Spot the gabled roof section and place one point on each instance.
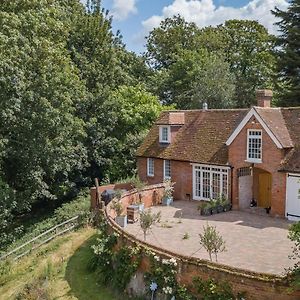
(271, 119)
(200, 140)
(291, 117)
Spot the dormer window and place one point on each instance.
(165, 134)
(254, 146)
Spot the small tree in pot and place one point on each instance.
(167, 197)
(139, 186)
(117, 206)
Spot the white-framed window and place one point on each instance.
(150, 166)
(254, 145)
(164, 134)
(167, 169)
(210, 182)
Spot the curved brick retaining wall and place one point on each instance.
(256, 285)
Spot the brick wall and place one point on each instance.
(257, 286)
(181, 174)
(271, 159)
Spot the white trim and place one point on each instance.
(166, 177)
(250, 114)
(160, 134)
(254, 160)
(148, 166)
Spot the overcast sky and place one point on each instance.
(135, 18)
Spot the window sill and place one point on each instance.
(254, 161)
(150, 175)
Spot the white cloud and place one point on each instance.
(204, 13)
(121, 9)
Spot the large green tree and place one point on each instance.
(289, 53)
(39, 92)
(245, 45)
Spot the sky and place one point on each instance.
(136, 18)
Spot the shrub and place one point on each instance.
(147, 219)
(212, 241)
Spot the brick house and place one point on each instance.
(244, 154)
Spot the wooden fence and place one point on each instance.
(41, 239)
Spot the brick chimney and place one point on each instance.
(264, 98)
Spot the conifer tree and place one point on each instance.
(289, 52)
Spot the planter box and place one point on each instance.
(205, 212)
(121, 220)
(141, 207)
(167, 201)
(220, 208)
(214, 210)
(227, 207)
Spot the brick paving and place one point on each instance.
(254, 242)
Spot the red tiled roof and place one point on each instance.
(276, 123)
(202, 138)
(292, 121)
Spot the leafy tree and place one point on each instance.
(212, 241)
(133, 110)
(164, 42)
(39, 91)
(147, 219)
(197, 77)
(249, 49)
(289, 53)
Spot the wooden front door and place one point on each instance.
(265, 185)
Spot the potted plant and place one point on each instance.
(226, 204)
(167, 197)
(139, 186)
(120, 219)
(219, 205)
(204, 208)
(214, 205)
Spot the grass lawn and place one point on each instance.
(58, 270)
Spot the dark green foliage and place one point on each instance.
(294, 272)
(212, 290)
(79, 206)
(223, 64)
(115, 265)
(289, 53)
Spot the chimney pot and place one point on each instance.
(264, 98)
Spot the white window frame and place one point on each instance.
(161, 140)
(167, 176)
(150, 167)
(254, 160)
(211, 169)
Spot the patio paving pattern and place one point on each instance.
(253, 242)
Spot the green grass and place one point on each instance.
(59, 270)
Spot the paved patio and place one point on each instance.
(254, 242)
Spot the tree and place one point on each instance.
(249, 50)
(289, 53)
(165, 41)
(147, 219)
(39, 92)
(212, 241)
(197, 77)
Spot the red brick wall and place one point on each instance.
(257, 286)
(181, 174)
(271, 159)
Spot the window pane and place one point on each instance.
(206, 185)
(216, 185)
(167, 168)
(150, 167)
